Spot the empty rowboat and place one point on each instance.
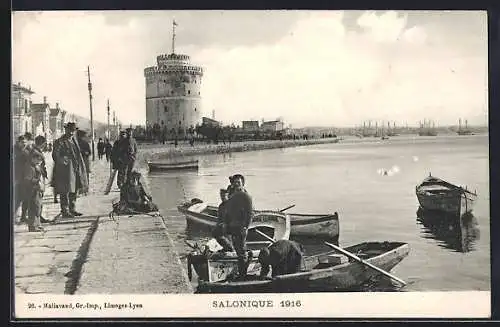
(170, 166)
(435, 194)
(322, 226)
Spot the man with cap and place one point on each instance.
(220, 232)
(81, 137)
(21, 151)
(240, 214)
(70, 171)
(35, 174)
(126, 155)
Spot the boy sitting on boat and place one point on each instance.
(283, 256)
(220, 231)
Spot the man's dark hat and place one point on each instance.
(236, 176)
(71, 126)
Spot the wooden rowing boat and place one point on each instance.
(436, 194)
(215, 266)
(169, 166)
(319, 226)
(324, 272)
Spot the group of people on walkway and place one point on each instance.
(235, 214)
(104, 149)
(70, 174)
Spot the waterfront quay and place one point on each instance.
(95, 253)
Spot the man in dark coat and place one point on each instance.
(35, 174)
(240, 213)
(127, 152)
(284, 257)
(220, 231)
(21, 151)
(116, 161)
(107, 149)
(84, 149)
(100, 149)
(69, 167)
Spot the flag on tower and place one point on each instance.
(175, 24)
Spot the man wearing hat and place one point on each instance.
(81, 137)
(240, 212)
(126, 153)
(70, 171)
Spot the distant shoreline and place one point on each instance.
(151, 152)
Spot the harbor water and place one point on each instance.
(371, 184)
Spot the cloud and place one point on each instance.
(313, 72)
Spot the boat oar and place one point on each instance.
(355, 257)
(289, 207)
(266, 236)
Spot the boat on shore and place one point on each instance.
(213, 265)
(435, 194)
(322, 226)
(324, 272)
(170, 166)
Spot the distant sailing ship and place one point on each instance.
(427, 128)
(463, 131)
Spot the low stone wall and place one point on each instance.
(156, 151)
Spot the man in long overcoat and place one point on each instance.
(70, 171)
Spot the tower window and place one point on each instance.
(189, 91)
(172, 92)
(198, 92)
(179, 122)
(166, 109)
(194, 109)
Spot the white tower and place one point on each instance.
(173, 91)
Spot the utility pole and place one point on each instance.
(109, 131)
(91, 114)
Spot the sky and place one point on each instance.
(311, 68)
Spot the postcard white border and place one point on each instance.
(475, 304)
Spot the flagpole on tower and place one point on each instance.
(174, 24)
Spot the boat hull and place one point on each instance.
(453, 202)
(159, 166)
(435, 194)
(317, 226)
(344, 276)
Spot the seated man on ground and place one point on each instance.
(284, 257)
(134, 198)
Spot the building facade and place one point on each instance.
(21, 109)
(40, 113)
(56, 121)
(173, 93)
(250, 125)
(272, 126)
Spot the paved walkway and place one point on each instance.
(93, 254)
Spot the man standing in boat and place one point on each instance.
(240, 213)
(220, 232)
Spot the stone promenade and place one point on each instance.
(95, 253)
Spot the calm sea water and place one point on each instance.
(346, 177)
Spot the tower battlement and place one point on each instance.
(194, 70)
